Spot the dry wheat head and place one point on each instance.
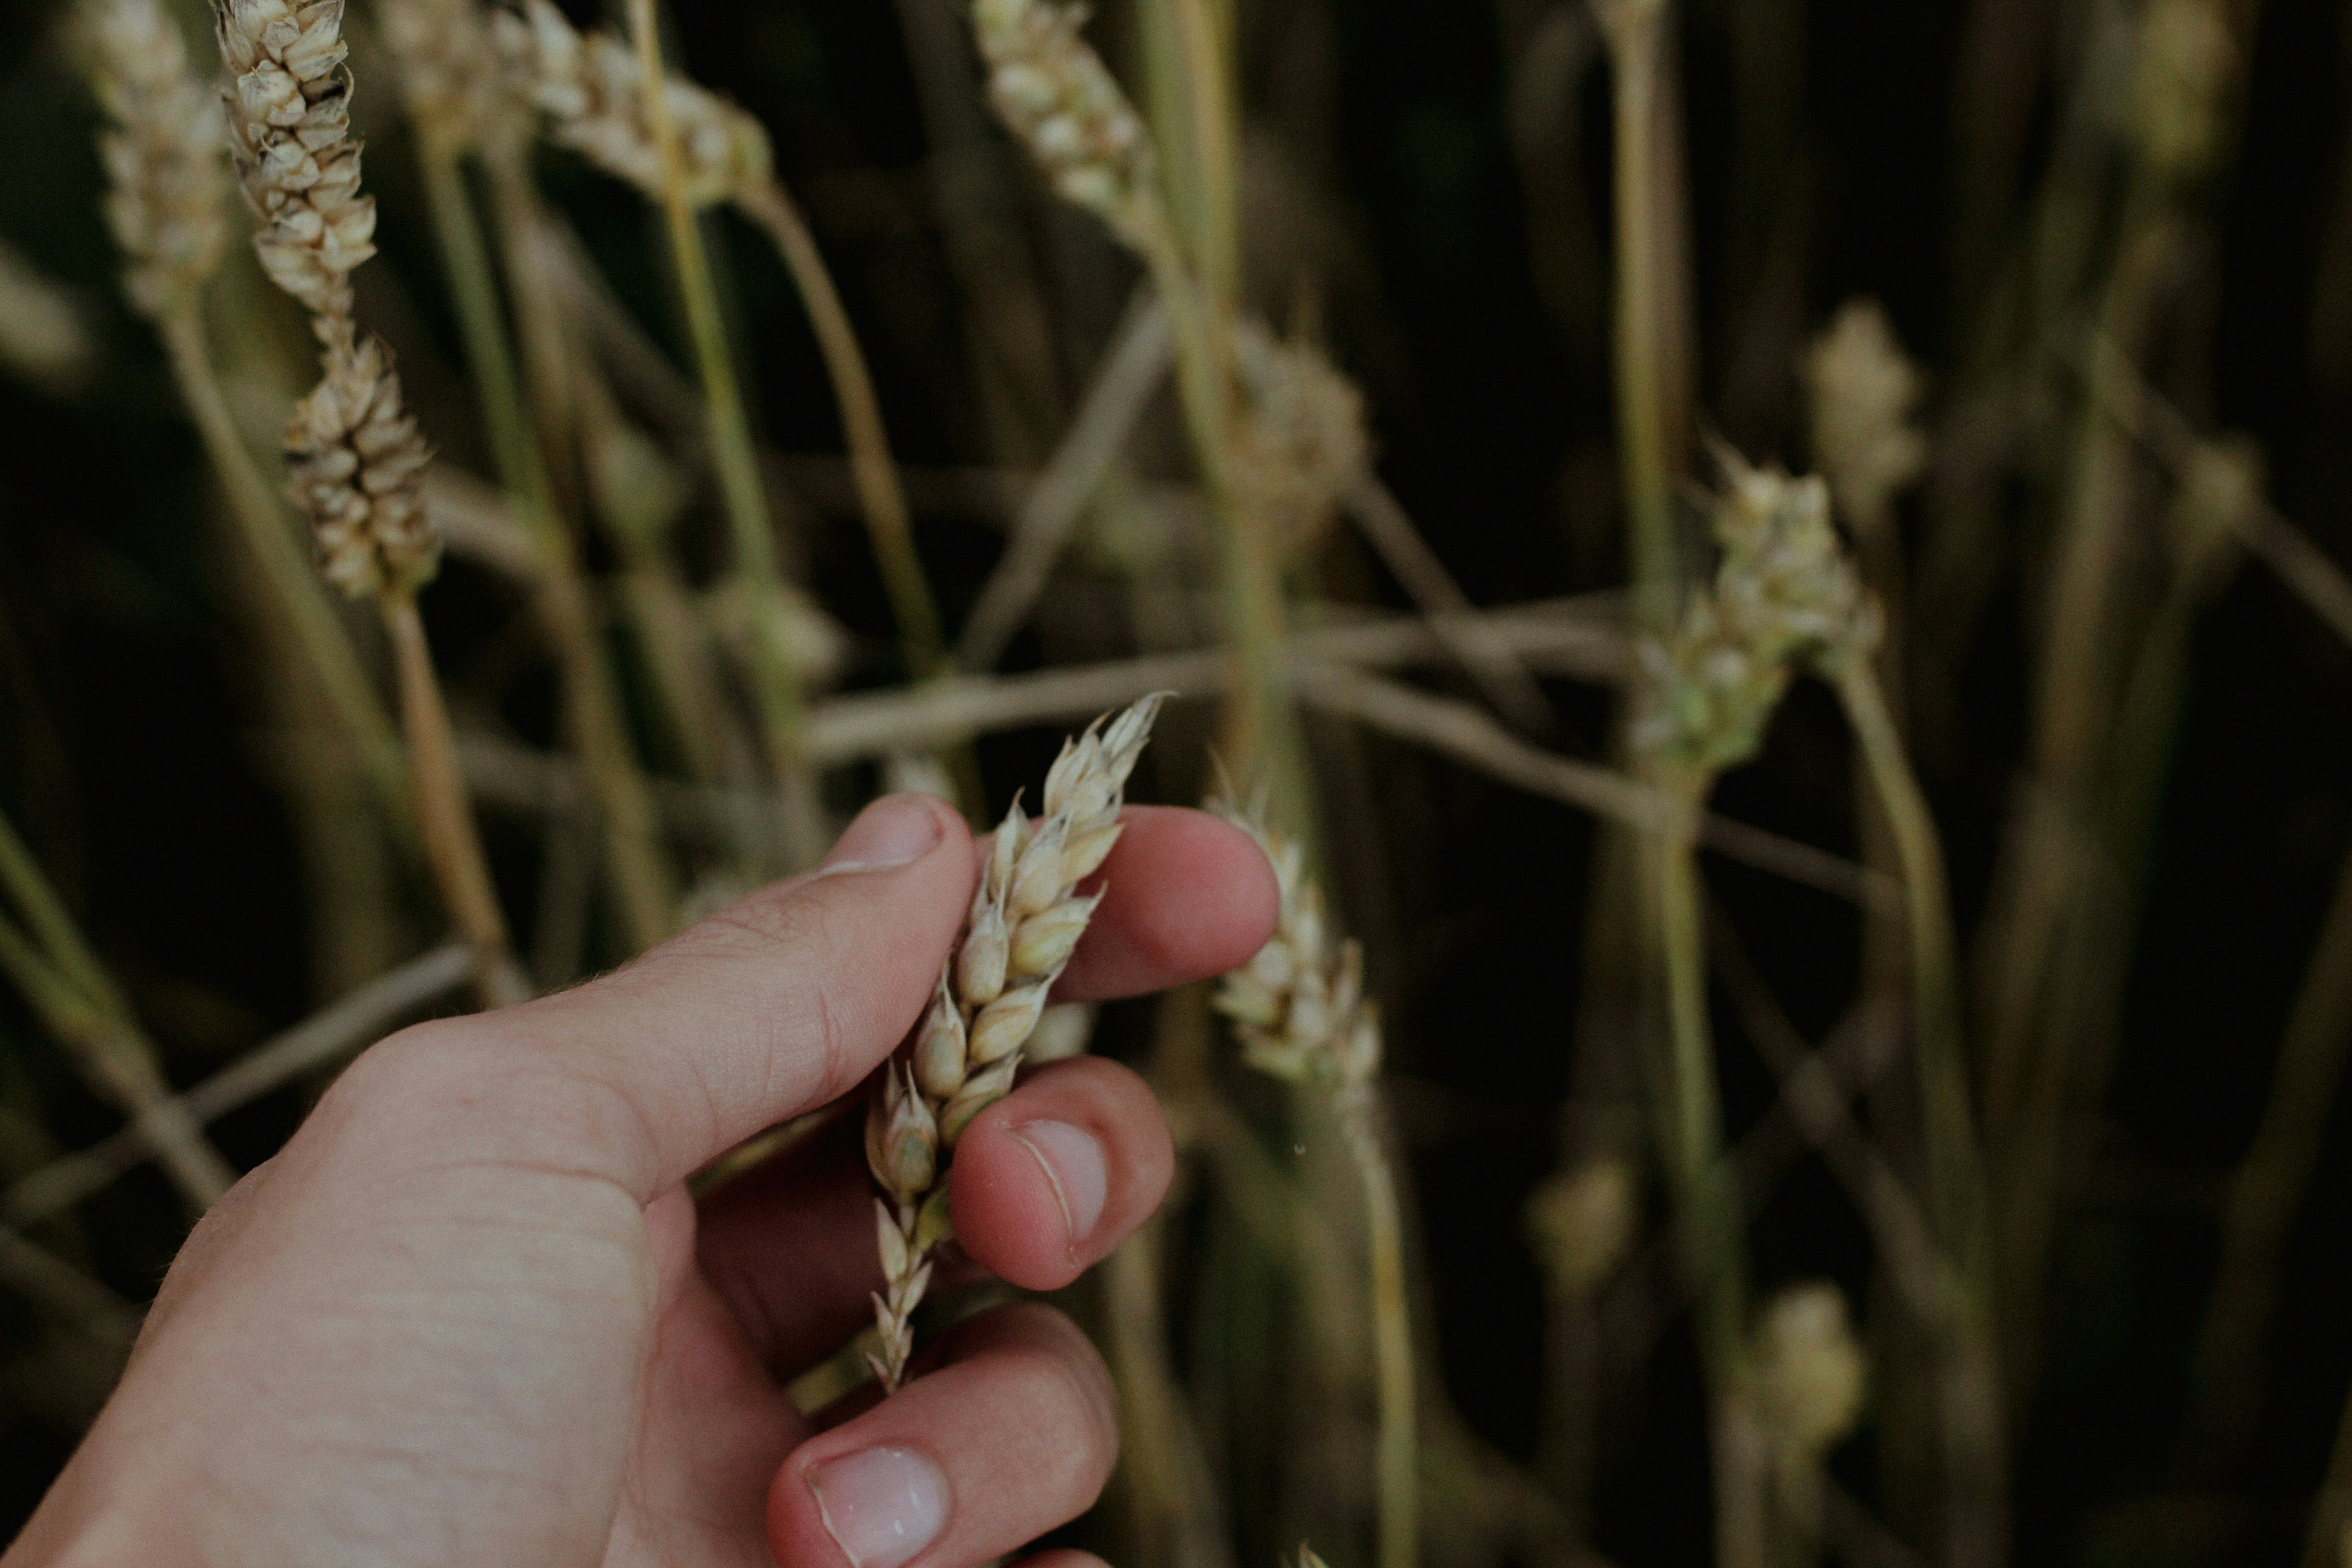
(591, 90)
(449, 69)
(1784, 597)
(1299, 1006)
(1865, 392)
(165, 168)
(353, 458)
(1025, 921)
(1054, 93)
(289, 128)
(1299, 442)
(1811, 1374)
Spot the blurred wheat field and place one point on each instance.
(1768, 571)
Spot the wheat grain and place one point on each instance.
(165, 173)
(1025, 921)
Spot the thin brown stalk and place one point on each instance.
(1130, 371)
(336, 1031)
(60, 978)
(452, 847)
(1501, 677)
(880, 496)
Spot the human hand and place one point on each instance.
(470, 1313)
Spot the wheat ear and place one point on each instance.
(166, 179)
(1300, 1012)
(1025, 921)
(353, 451)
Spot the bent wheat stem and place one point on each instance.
(63, 982)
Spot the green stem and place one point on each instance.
(326, 645)
(1715, 1247)
(735, 456)
(79, 1002)
(1976, 1512)
(1400, 1460)
(871, 468)
(1635, 32)
(645, 892)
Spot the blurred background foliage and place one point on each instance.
(1426, 192)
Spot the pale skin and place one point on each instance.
(471, 1315)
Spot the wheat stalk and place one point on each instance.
(1299, 1010)
(1026, 918)
(1055, 94)
(597, 100)
(353, 454)
(450, 77)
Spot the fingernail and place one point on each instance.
(881, 1507)
(894, 830)
(1073, 1161)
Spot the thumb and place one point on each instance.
(774, 1006)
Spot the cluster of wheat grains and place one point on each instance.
(1025, 921)
(353, 453)
(1299, 1009)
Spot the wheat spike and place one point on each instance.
(449, 69)
(1299, 1006)
(1784, 597)
(1054, 93)
(1865, 392)
(165, 173)
(593, 92)
(1025, 921)
(353, 452)
(1300, 441)
(353, 456)
(289, 128)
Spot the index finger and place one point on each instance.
(1185, 896)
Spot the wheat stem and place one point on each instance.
(325, 643)
(452, 847)
(1636, 30)
(871, 467)
(63, 981)
(1977, 1511)
(643, 886)
(777, 680)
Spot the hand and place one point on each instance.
(470, 1314)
